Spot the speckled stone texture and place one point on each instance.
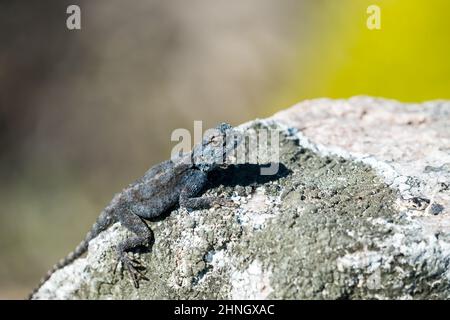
(359, 209)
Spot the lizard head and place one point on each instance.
(216, 146)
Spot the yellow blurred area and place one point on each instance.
(407, 59)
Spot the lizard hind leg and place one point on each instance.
(142, 238)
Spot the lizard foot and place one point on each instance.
(134, 267)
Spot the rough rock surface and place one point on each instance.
(360, 208)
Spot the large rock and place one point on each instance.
(360, 208)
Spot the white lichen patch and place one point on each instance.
(217, 259)
(258, 210)
(252, 283)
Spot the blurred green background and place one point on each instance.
(83, 113)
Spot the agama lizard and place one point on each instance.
(165, 185)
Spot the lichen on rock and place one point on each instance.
(337, 221)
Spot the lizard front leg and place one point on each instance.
(142, 237)
(196, 183)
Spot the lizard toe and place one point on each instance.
(135, 270)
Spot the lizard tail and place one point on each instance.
(103, 221)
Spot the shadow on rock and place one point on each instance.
(245, 175)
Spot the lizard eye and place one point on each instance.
(215, 141)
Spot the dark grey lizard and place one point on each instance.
(161, 188)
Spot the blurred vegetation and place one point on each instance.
(407, 59)
(83, 113)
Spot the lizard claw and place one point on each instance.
(134, 268)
